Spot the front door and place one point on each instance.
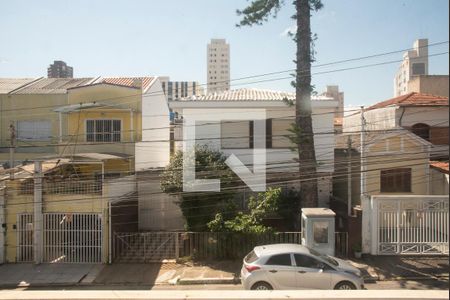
(310, 273)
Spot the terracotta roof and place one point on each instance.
(247, 94)
(413, 99)
(441, 166)
(128, 81)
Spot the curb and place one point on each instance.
(225, 280)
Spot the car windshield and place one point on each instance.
(326, 258)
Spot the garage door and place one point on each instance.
(72, 238)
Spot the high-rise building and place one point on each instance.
(218, 61)
(180, 89)
(59, 69)
(415, 63)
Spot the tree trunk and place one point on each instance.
(306, 151)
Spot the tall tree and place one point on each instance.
(258, 12)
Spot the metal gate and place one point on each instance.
(72, 238)
(412, 226)
(144, 247)
(25, 239)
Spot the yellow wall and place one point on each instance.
(397, 152)
(17, 203)
(119, 100)
(16, 107)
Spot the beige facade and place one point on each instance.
(218, 62)
(429, 84)
(415, 63)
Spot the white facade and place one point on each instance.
(415, 63)
(218, 62)
(154, 149)
(233, 137)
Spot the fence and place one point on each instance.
(156, 246)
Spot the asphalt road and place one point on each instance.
(379, 285)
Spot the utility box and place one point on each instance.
(318, 229)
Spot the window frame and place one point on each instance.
(34, 138)
(386, 186)
(95, 131)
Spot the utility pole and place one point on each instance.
(12, 138)
(349, 175)
(38, 219)
(362, 152)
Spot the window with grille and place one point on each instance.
(103, 131)
(395, 180)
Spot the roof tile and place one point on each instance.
(413, 99)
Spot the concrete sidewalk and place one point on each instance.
(223, 272)
(23, 275)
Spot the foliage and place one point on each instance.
(259, 11)
(199, 208)
(357, 247)
(260, 207)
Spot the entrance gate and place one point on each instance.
(412, 225)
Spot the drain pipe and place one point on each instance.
(109, 233)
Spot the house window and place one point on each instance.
(418, 69)
(103, 130)
(35, 130)
(235, 134)
(422, 130)
(395, 180)
(281, 133)
(268, 134)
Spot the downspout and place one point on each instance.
(109, 233)
(131, 125)
(60, 127)
(401, 117)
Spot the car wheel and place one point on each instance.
(345, 285)
(262, 286)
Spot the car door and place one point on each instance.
(281, 272)
(311, 273)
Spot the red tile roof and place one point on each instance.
(128, 81)
(441, 166)
(413, 99)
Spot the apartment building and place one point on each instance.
(59, 69)
(180, 89)
(218, 62)
(415, 63)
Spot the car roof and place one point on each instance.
(280, 248)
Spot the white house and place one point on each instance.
(226, 121)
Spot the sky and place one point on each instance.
(169, 38)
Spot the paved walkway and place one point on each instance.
(216, 272)
(47, 274)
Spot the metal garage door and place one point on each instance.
(72, 238)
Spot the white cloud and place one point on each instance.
(3, 60)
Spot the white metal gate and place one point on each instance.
(412, 226)
(25, 238)
(72, 238)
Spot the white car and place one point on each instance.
(293, 266)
